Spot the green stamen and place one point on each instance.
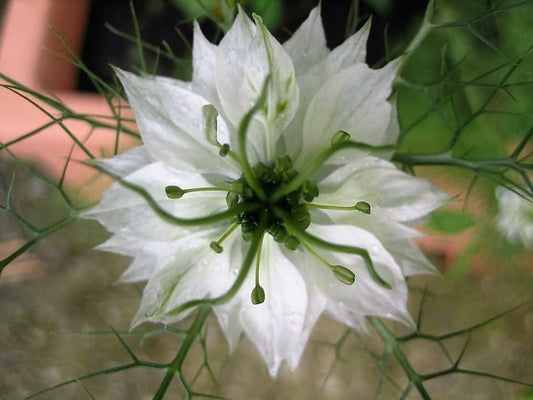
(339, 137)
(209, 115)
(316, 241)
(361, 206)
(216, 246)
(175, 192)
(343, 274)
(258, 293)
(224, 150)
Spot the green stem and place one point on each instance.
(36, 239)
(393, 346)
(175, 366)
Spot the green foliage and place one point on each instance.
(450, 222)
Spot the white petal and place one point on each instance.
(171, 125)
(396, 237)
(391, 193)
(275, 326)
(308, 44)
(364, 297)
(351, 51)
(228, 316)
(315, 306)
(245, 56)
(147, 255)
(203, 64)
(125, 212)
(194, 273)
(410, 258)
(355, 101)
(165, 80)
(127, 162)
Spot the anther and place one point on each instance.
(224, 150)
(309, 190)
(291, 242)
(216, 247)
(363, 207)
(258, 295)
(210, 114)
(343, 274)
(174, 192)
(232, 199)
(339, 137)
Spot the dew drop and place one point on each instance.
(375, 249)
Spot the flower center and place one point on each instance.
(270, 178)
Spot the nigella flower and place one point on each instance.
(263, 184)
(515, 217)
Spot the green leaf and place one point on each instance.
(448, 221)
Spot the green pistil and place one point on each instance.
(270, 178)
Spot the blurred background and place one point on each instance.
(471, 78)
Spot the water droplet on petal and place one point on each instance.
(375, 249)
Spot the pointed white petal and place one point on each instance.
(275, 326)
(245, 57)
(365, 296)
(171, 125)
(228, 316)
(203, 64)
(352, 51)
(128, 162)
(308, 44)
(410, 258)
(147, 255)
(315, 306)
(125, 212)
(194, 273)
(391, 193)
(355, 101)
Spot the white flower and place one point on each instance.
(307, 155)
(515, 217)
